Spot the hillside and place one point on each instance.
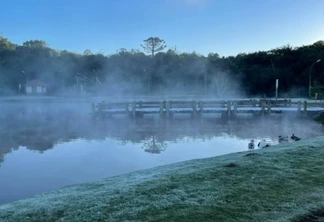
(280, 183)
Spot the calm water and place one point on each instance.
(45, 146)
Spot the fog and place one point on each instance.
(39, 125)
(125, 73)
(50, 140)
(47, 143)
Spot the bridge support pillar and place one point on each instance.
(194, 108)
(263, 104)
(168, 106)
(229, 109)
(235, 110)
(127, 109)
(269, 107)
(305, 108)
(298, 108)
(133, 109)
(201, 108)
(161, 108)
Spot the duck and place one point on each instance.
(251, 145)
(263, 144)
(295, 138)
(283, 139)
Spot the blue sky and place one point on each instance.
(226, 27)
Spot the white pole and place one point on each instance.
(277, 84)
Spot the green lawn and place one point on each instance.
(280, 183)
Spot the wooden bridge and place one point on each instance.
(226, 108)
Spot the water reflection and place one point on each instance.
(43, 131)
(151, 145)
(44, 147)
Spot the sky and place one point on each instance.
(205, 26)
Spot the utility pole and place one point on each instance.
(277, 84)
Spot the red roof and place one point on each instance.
(35, 83)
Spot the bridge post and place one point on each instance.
(168, 104)
(299, 107)
(200, 107)
(161, 108)
(133, 109)
(194, 108)
(140, 104)
(305, 107)
(235, 109)
(127, 109)
(269, 107)
(262, 107)
(229, 109)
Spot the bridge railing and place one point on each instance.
(226, 107)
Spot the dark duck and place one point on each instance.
(295, 138)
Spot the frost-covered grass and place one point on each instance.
(281, 183)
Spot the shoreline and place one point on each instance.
(245, 186)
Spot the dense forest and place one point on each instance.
(157, 69)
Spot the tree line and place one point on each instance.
(162, 70)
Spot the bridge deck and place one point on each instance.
(228, 108)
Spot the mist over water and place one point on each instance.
(49, 144)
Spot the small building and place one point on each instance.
(35, 87)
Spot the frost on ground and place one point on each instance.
(280, 183)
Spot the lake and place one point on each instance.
(47, 145)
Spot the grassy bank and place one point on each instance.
(281, 183)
